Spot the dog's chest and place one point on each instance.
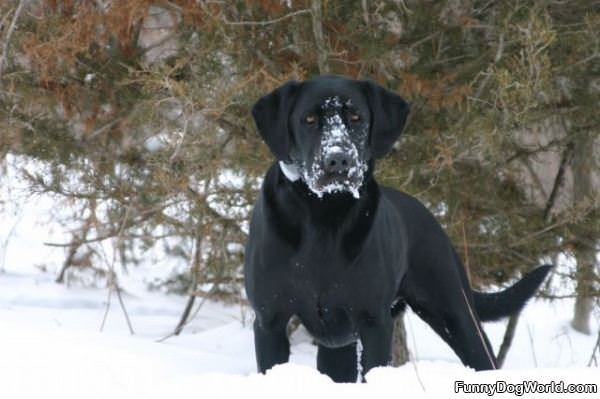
(322, 271)
(325, 292)
(328, 311)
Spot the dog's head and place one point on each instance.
(327, 129)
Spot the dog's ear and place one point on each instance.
(271, 114)
(388, 116)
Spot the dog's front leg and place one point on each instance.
(270, 342)
(376, 340)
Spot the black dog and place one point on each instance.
(345, 255)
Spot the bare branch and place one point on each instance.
(104, 128)
(208, 295)
(113, 284)
(558, 181)
(160, 42)
(509, 334)
(130, 222)
(269, 22)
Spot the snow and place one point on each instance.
(89, 77)
(156, 143)
(51, 346)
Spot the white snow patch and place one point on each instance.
(89, 77)
(156, 143)
(51, 347)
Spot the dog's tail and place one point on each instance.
(494, 306)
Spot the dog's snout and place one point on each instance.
(337, 162)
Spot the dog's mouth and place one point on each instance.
(337, 167)
(336, 184)
(322, 182)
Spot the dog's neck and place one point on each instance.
(322, 208)
(291, 204)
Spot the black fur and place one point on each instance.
(391, 111)
(271, 114)
(346, 265)
(494, 306)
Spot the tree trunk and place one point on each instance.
(195, 272)
(76, 243)
(585, 256)
(400, 354)
(584, 276)
(317, 25)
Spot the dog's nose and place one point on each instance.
(337, 162)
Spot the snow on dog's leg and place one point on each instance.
(376, 339)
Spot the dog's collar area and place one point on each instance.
(290, 171)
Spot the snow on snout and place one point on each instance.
(336, 148)
(336, 139)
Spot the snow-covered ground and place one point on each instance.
(51, 344)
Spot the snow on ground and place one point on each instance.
(51, 346)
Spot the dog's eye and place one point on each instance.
(310, 119)
(354, 117)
